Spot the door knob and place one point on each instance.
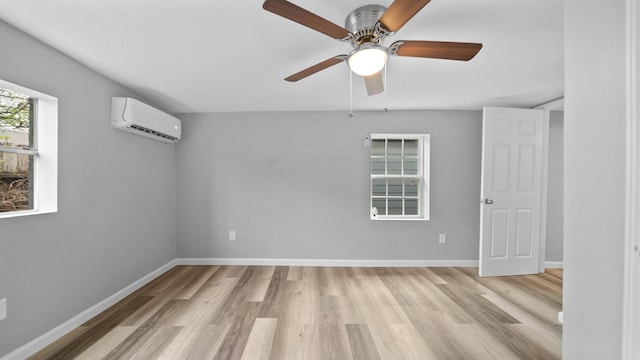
(486, 201)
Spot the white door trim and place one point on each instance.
(554, 105)
(542, 255)
(631, 315)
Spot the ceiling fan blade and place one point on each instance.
(436, 49)
(374, 83)
(399, 12)
(315, 68)
(304, 17)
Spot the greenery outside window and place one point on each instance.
(17, 150)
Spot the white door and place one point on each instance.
(511, 190)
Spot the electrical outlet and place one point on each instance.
(232, 235)
(3, 309)
(442, 239)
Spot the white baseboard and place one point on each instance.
(56, 333)
(326, 262)
(554, 265)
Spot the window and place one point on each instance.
(17, 151)
(28, 151)
(400, 176)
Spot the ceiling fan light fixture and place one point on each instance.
(368, 59)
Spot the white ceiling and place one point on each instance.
(231, 55)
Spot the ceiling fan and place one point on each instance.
(365, 28)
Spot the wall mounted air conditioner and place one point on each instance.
(138, 118)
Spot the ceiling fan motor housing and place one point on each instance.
(362, 21)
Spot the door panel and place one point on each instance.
(526, 168)
(499, 233)
(501, 155)
(524, 230)
(512, 163)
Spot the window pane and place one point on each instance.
(411, 187)
(395, 206)
(394, 147)
(411, 207)
(16, 177)
(378, 187)
(395, 187)
(377, 147)
(380, 204)
(410, 165)
(394, 165)
(411, 147)
(377, 166)
(15, 119)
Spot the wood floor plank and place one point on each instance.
(261, 280)
(378, 296)
(177, 279)
(545, 335)
(195, 342)
(196, 282)
(156, 344)
(236, 271)
(174, 281)
(65, 347)
(525, 298)
(273, 298)
(554, 272)
(476, 340)
(411, 345)
(362, 344)
(106, 344)
(205, 305)
(260, 339)
(320, 313)
(242, 322)
(295, 336)
(438, 331)
(427, 296)
(331, 331)
(105, 322)
(294, 273)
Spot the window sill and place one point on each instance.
(12, 214)
(401, 218)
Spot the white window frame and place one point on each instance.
(45, 169)
(424, 150)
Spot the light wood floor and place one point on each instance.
(266, 312)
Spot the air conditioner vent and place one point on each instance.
(138, 118)
(153, 132)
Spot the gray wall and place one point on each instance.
(295, 185)
(116, 218)
(594, 178)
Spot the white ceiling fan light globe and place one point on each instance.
(367, 60)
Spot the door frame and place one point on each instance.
(631, 311)
(544, 192)
(554, 105)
